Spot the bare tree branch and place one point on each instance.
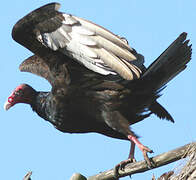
(138, 167)
(188, 172)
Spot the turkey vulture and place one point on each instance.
(99, 83)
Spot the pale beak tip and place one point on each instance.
(7, 105)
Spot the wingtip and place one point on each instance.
(52, 6)
(184, 34)
(48, 7)
(22, 65)
(182, 37)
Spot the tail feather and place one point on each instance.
(170, 63)
(160, 111)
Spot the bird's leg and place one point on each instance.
(131, 158)
(143, 148)
(132, 152)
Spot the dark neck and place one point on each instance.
(39, 104)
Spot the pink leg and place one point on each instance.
(143, 148)
(130, 159)
(132, 152)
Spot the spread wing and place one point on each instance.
(37, 65)
(46, 30)
(59, 74)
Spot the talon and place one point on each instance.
(144, 150)
(121, 166)
(124, 163)
(149, 162)
(116, 173)
(132, 160)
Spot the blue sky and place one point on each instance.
(29, 143)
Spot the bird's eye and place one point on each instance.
(18, 93)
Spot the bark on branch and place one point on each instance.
(141, 166)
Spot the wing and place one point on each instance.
(57, 77)
(47, 30)
(37, 66)
(59, 74)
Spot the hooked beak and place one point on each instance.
(7, 105)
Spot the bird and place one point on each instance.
(99, 82)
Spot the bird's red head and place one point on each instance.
(21, 94)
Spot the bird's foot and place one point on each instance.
(149, 162)
(121, 166)
(144, 150)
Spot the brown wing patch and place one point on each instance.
(36, 65)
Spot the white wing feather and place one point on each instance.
(93, 46)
